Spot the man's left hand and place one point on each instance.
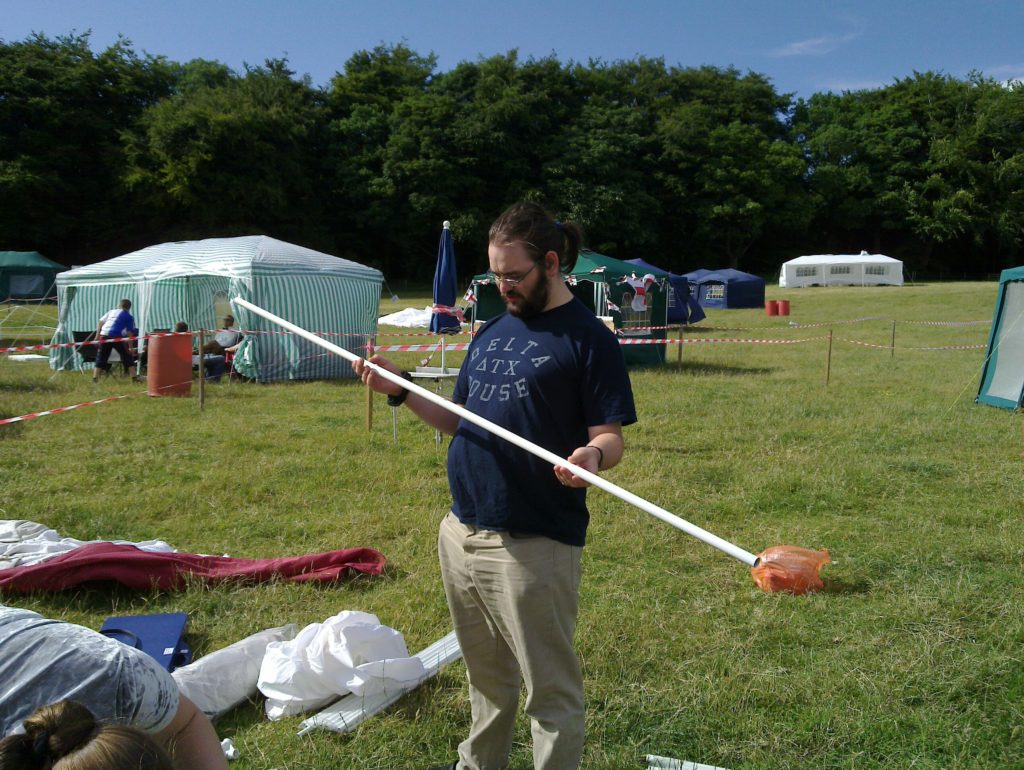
(585, 457)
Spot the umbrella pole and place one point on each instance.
(660, 513)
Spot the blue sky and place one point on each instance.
(803, 46)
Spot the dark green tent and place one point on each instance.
(608, 287)
(27, 275)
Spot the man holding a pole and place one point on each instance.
(549, 371)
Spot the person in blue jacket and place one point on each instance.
(114, 324)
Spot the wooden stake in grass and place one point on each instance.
(828, 359)
(892, 347)
(202, 373)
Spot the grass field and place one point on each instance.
(911, 657)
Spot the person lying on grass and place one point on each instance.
(45, 661)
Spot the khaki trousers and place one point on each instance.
(513, 602)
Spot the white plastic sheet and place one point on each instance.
(350, 652)
(221, 680)
(409, 318)
(24, 543)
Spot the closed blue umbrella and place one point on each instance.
(445, 286)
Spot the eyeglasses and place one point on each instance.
(504, 279)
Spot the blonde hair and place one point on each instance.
(66, 736)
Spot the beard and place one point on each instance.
(530, 304)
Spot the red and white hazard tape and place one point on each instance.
(948, 323)
(951, 347)
(19, 348)
(416, 348)
(33, 415)
(622, 341)
(60, 409)
(903, 347)
(703, 340)
(418, 334)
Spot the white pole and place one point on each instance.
(669, 518)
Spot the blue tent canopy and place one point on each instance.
(727, 288)
(683, 309)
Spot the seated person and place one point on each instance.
(224, 341)
(66, 736)
(213, 366)
(46, 661)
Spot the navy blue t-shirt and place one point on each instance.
(546, 378)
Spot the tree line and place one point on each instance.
(102, 153)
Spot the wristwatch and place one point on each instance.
(400, 398)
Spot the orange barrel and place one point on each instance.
(169, 372)
(783, 306)
(771, 307)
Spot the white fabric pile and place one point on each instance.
(24, 543)
(350, 652)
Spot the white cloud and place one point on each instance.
(1005, 72)
(821, 45)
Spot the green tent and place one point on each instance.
(609, 287)
(1002, 376)
(196, 281)
(27, 275)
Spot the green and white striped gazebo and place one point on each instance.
(196, 281)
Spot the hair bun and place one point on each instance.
(58, 729)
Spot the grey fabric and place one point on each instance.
(44, 661)
(227, 337)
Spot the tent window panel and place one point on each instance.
(803, 271)
(27, 284)
(839, 270)
(875, 269)
(221, 305)
(715, 291)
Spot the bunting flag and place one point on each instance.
(612, 306)
(571, 279)
(469, 297)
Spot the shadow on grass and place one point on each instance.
(29, 387)
(708, 370)
(846, 586)
(111, 597)
(242, 717)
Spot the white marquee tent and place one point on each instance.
(841, 270)
(196, 281)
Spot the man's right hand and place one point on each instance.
(373, 380)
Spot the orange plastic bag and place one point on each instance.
(790, 568)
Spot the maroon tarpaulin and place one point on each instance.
(143, 570)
